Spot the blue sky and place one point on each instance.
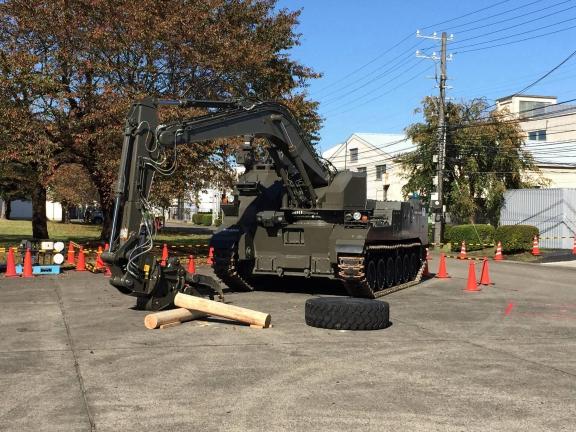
(340, 36)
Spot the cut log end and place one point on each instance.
(158, 319)
(151, 321)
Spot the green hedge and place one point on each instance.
(474, 235)
(202, 219)
(218, 222)
(447, 229)
(516, 238)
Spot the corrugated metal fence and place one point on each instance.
(552, 211)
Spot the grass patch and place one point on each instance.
(12, 232)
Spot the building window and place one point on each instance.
(380, 169)
(361, 169)
(539, 135)
(354, 155)
(531, 108)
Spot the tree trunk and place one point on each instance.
(106, 202)
(8, 210)
(39, 219)
(66, 210)
(107, 209)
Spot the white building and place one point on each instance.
(206, 200)
(374, 154)
(22, 210)
(550, 135)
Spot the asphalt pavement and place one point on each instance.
(75, 356)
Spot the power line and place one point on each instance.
(379, 56)
(507, 20)
(486, 121)
(517, 41)
(407, 37)
(503, 86)
(508, 36)
(412, 78)
(543, 77)
(368, 150)
(383, 74)
(465, 15)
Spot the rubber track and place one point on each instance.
(225, 269)
(360, 288)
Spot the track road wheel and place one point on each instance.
(406, 269)
(398, 270)
(381, 274)
(414, 265)
(390, 278)
(344, 313)
(371, 275)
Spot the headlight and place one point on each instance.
(357, 216)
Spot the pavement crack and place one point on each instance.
(478, 345)
(76, 362)
(509, 354)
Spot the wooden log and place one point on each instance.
(172, 324)
(223, 310)
(155, 320)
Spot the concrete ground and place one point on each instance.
(74, 356)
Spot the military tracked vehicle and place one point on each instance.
(291, 214)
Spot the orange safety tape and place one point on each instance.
(465, 259)
(160, 246)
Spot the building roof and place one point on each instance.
(387, 144)
(526, 96)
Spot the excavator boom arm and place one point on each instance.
(134, 271)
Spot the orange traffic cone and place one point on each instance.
(81, 264)
(71, 259)
(499, 256)
(426, 272)
(574, 247)
(27, 270)
(210, 259)
(164, 255)
(191, 265)
(442, 273)
(462, 251)
(99, 262)
(535, 247)
(485, 276)
(10, 264)
(107, 273)
(472, 286)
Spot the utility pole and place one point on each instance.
(437, 199)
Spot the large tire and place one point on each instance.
(344, 313)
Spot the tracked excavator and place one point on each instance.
(291, 212)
